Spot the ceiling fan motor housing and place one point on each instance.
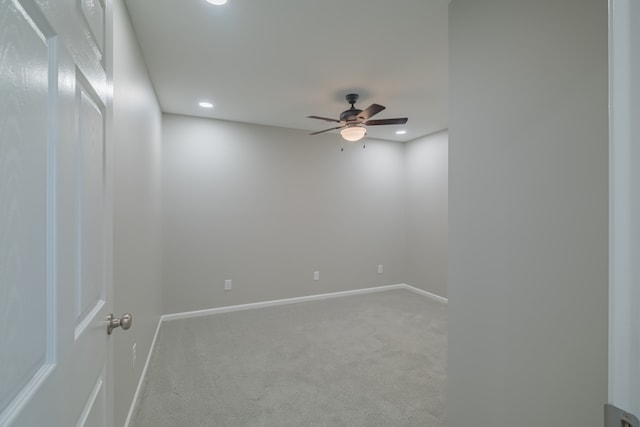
(351, 114)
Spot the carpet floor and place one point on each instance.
(376, 359)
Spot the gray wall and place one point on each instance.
(265, 207)
(426, 169)
(137, 208)
(528, 210)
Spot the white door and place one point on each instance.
(55, 213)
(624, 283)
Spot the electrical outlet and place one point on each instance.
(227, 285)
(379, 268)
(133, 353)
(316, 275)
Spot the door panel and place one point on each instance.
(26, 235)
(55, 234)
(93, 413)
(93, 12)
(90, 119)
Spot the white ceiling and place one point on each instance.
(274, 62)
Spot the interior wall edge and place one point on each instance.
(137, 233)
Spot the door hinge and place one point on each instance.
(616, 417)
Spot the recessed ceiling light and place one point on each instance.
(401, 132)
(217, 2)
(205, 104)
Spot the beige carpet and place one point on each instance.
(375, 359)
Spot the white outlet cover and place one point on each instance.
(316, 275)
(227, 285)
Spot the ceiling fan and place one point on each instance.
(354, 122)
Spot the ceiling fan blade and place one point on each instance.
(399, 121)
(370, 111)
(327, 130)
(323, 118)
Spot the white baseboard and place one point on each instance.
(229, 308)
(271, 303)
(143, 375)
(207, 312)
(425, 293)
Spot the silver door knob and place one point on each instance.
(124, 322)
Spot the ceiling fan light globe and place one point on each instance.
(353, 133)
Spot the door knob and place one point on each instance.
(113, 322)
